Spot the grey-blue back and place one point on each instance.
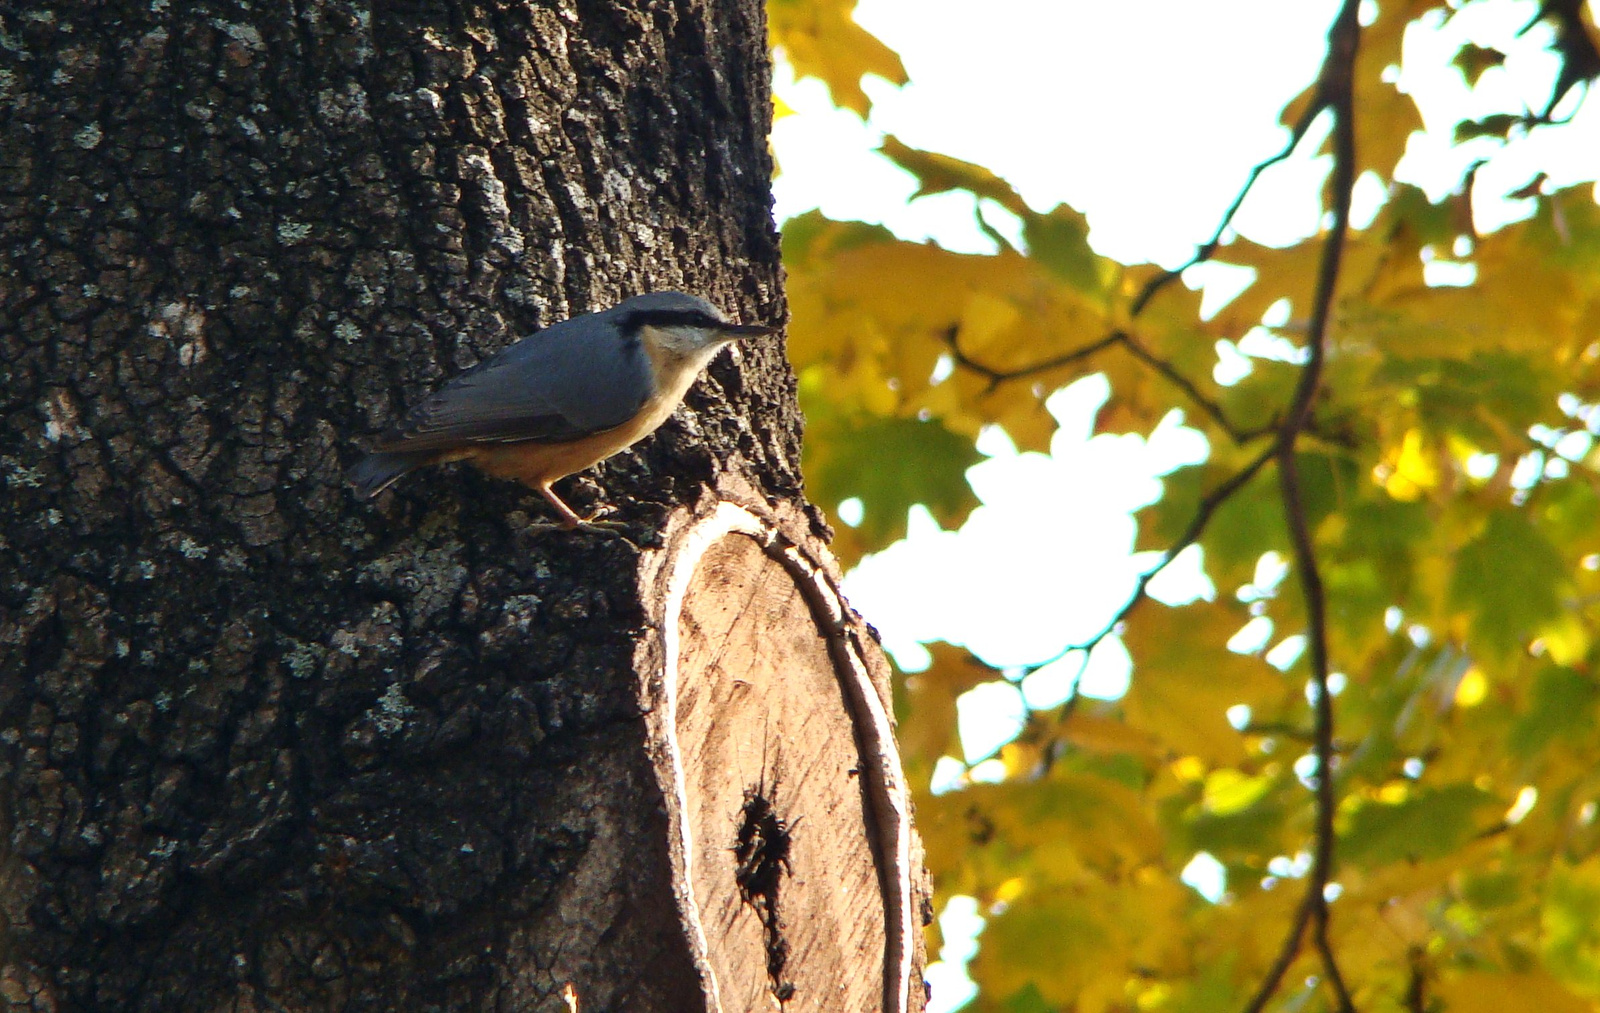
(574, 378)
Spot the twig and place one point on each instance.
(1278, 729)
(998, 376)
(1336, 91)
(1197, 526)
(1417, 986)
(1286, 955)
(1330, 963)
(1183, 383)
(1208, 407)
(1319, 101)
(1001, 242)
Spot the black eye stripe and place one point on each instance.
(670, 318)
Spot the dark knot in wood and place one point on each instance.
(762, 851)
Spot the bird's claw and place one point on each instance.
(592, 522)
(588, 525)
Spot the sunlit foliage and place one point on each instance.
(1448, 509)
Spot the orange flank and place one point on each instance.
(537, 464)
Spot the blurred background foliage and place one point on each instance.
(1448, 483)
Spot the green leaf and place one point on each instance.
(1489, 890)
(1185, 679)
(1496, 125)
(813, 236)
(1566, 230)
(1250, 522)
(1258, 400)
(1047, 935)
(1212, 990)
(1423, 220)
(1569, 514)
(1570, 922)
(1383, 534)
(1384, 527)
(1247, 524)
(1509, 578)
(1562, 705)
(1241, 816)
(1427, 824)
(1371, 565)
(1473, 60)
(1426, 221)
(1327, 483)
(1479, 397)
(890, 464)
(1060, 241)
(1026, 1000)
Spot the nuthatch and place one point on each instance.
(561, 399)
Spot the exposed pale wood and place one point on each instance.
(771, 693)
(761, 711)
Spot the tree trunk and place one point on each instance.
(263, 747)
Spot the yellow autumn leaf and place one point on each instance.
(1567, 640)
(1185, 683)
(820, 38)
(1287, 273)
(1412, 470)
(1499, 991)
(926, 701)
(938, 173)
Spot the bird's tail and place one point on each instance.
(377, 471)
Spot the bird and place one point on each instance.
(561, 399)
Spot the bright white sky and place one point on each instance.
(1147, 116)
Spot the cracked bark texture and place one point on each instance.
(263, 747)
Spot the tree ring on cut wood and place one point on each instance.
(768, 716)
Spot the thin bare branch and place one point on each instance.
(1417, 984)
(1211, 409)
(998, 376)
(1197, 526)
(1319, 102)
(1286, 955)
(1336, 90)
(1000, 241)
(1175, 376)
(1330, 963)
(1278, 729)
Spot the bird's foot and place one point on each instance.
(608, 526)
(593, 522)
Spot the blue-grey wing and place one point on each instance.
(563, 383)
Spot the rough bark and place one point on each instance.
(264, 747)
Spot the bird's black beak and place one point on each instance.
(737, 331)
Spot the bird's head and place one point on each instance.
(682, 326)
